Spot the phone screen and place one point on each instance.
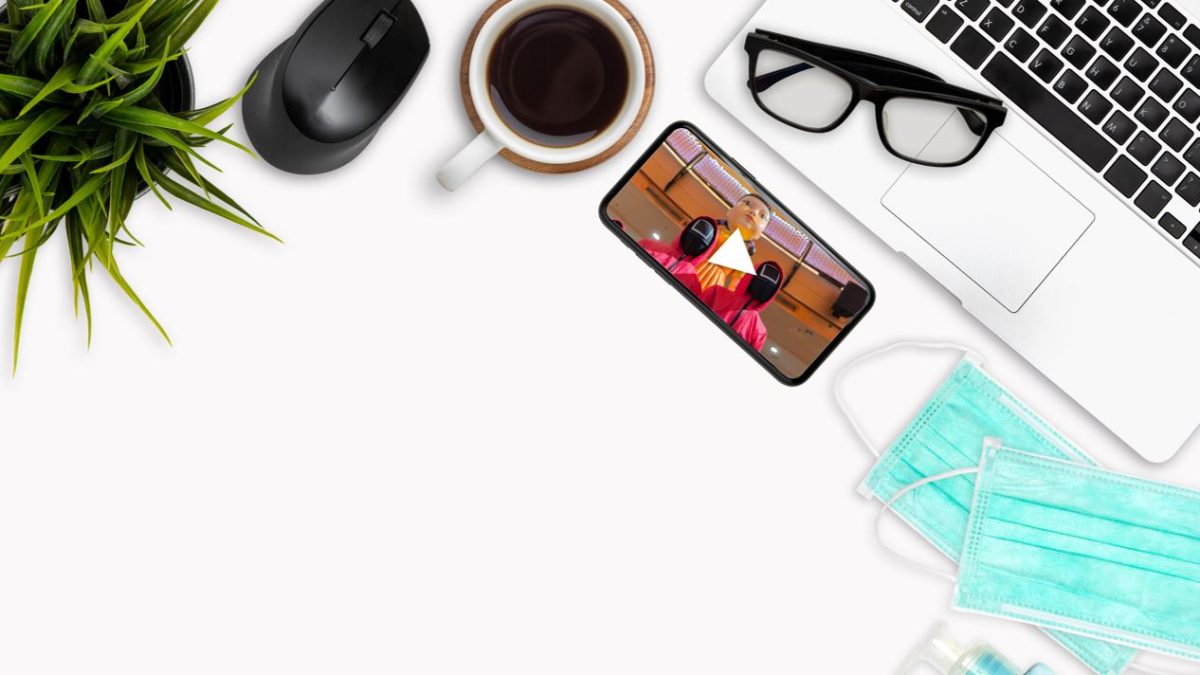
(744, 258)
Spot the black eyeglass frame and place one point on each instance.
(876, 79)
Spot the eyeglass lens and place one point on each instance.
(800, 92)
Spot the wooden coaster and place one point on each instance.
(540, 167)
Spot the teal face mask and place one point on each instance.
(1076, 548)
(948, 435)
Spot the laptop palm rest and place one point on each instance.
(999, 219)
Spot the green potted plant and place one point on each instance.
(96, 109)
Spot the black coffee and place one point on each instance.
(558, 77)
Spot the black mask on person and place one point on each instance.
(698, 237)
(766, 284)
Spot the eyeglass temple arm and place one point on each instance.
(841, 55)
(767, 80)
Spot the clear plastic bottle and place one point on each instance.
(940, 650)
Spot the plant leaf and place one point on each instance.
(144, 89)
(13, 127)
(172, 140)
(189, 26)
(62, 78)
(145, 117)
(99, 59)
(38, 128)
(78, 278)
(35, 185)
(87, 190)
(180, 192)
(36, 23)
(96, 10)
(110, 264)
(139, 159)
(26, 273)
(17, 85)
(45, 41)
(206, 116)
(116, 163)
(208, 187)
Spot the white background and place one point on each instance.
(462, 433)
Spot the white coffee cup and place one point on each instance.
(497, 135)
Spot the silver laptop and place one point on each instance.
(1075, 234)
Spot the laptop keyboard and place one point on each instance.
(1116, 82)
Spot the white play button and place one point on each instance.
(733, 254)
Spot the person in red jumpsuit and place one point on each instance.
(742, 307)
(682, 256)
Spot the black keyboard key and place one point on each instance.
(1079, 52)
(1173, 16)
(1045, 65)
(972, 47)
(1165, 85)
(1153, 200)
(1119, 127)
(1151, 3)
(1125, 11)
(1192, 35)
(919, 9)
(997, 24)
(1116, 43)
(1125, 176)
(1193, 155)
(1095, 107)
(1054, 31)
(1045, 109)
(1192, 243)
(1191, 72)
(1189, 189)
(1022, 45)
(1103, 72)
(1188, 106)
(1171, 225)
(1152, 114)
(1004, 3)
(1176, 135)
(1149, 30)
(1144, 148)
(1168, 169)
(944, 24)
(1068, 8)
(1141, 64)
(1092, 23)
(1029, 12)
(972, 8)
(1070, 86)
(1173, 51)
(1127, 93)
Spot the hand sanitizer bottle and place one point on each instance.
(940, 650)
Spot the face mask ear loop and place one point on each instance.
(839, 383)
(887, 508)
(1136, 667)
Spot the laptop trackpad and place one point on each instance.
(998, 218)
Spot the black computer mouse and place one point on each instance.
(320, 98)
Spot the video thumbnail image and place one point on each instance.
(760, 271)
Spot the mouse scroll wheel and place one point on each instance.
(379, 28)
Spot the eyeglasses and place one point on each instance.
(921, 118)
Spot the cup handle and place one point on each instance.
(466, 163)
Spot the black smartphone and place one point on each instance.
(711, 230)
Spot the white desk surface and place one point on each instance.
(451, 433)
